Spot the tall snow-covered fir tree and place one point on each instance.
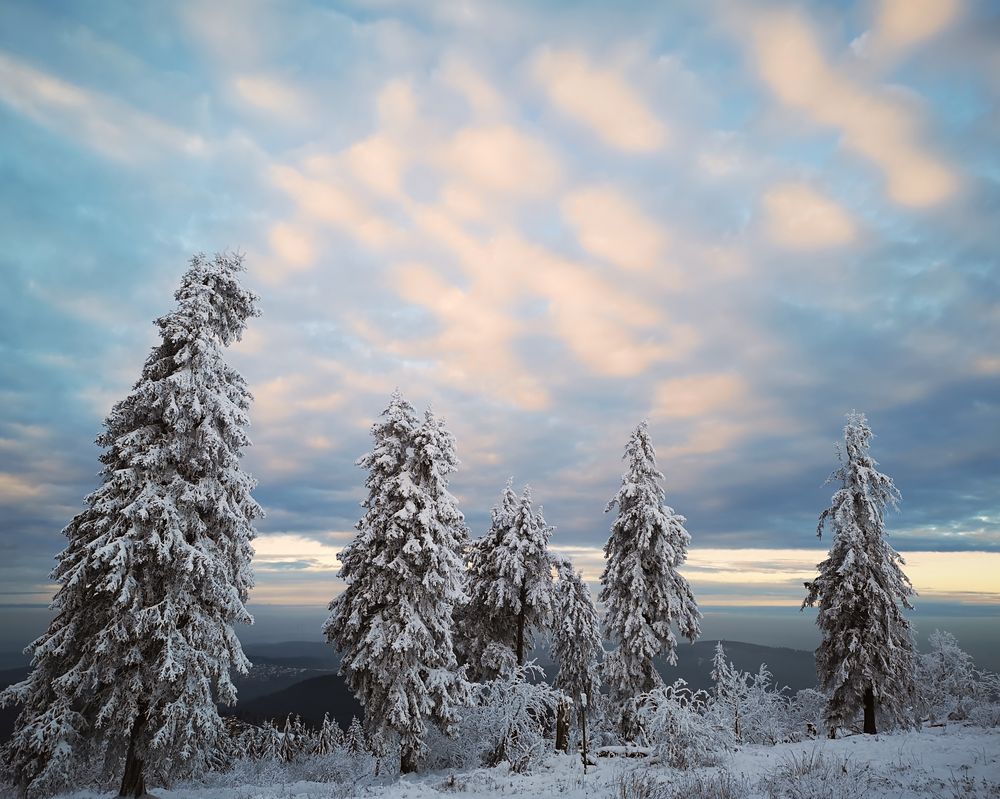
(404, 573)
(509, 586)
(577, 648)
(866, 659)
(158, 565)
(642, 591)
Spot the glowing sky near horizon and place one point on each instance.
(548, 221)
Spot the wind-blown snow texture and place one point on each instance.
(404, 573)
(158, 565)
(642, 591)
(867, 642)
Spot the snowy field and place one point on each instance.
(950, 762)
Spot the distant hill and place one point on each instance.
(309, 699)
(312, 697)
(299, 677)
(794, 668)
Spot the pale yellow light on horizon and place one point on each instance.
(773, 577)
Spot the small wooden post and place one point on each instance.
(583, 729)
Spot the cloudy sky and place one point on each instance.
(547, 221)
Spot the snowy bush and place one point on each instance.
(510, 718)
(341, 771)
(986, 715)
(747, 704)
(951, 687)
(645, 783)
(805, 714)
(815, 775)
(677, 724)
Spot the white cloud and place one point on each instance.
(325, 201)
(501, 159)
(273, 96)
(873, 123)
(611, 227)
(903, 24)
(799, 217)
(600, 99)
(102, 123)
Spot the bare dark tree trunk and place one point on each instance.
(562, 726)
(134, 778)
(520, 629)
(583, 735)
(407, 761)
(833, 733)
(870, 711)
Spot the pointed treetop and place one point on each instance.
(210, 297)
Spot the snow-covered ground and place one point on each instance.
(950, 762)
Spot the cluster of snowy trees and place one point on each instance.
(435, 630)
(431, 624)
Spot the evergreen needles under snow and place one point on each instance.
(393, 623)
(158, 565)
(509, 586)
(866, 658)
(576, 641)
(642, 591)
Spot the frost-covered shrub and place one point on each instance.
(678, 726)
(815, 775)
(747, 704)
(986, 715)
(517, 713)
(951, 687)
(645, 783)
(341, 771)
(506, 722)
(805, 714)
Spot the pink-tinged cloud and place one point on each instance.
(872, 121)
(600, 99)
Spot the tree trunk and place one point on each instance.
(583, 735)
(407, 760)
(134, 778)
(870, 711)
(520, 629)
(562, 726)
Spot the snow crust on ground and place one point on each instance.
(934, 763)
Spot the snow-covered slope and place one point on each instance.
(949, 762)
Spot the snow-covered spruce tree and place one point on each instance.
(330, 737)
(642, 591)
(158, 565)
(576, 641)
(509, 584)
(484, 636)
(730, 691)
(866, 658)
(404, 574)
